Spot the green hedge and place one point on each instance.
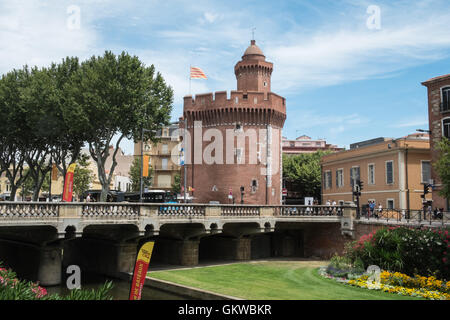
(402, 249)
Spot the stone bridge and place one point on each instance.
(39, 239)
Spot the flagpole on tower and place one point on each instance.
(190, 68)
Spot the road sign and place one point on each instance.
(284, 192)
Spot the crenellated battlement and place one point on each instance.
(236, 99)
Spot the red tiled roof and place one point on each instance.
(437, 78)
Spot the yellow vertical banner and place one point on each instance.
(68, 187)
(54, 173)
(145, 166)
(140, 270)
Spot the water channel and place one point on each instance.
(120, 291)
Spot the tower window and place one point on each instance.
(236, 100)
(254, 185)
(245, 97)
(238, 127)
(265, 84)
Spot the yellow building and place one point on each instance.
(164, 157)
(393, 172)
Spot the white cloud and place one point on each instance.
(210, 17)
(36, 33)
(411, 122)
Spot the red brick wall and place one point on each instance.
(435, 117)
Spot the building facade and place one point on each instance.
(121, 180)
(164, 157)
(439, 126)
(393, 172)
(305, 144)
(233, 142)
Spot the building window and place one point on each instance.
(390, 203)
(265, 84)
(371, 176)
(245, 97)
(165, 148)
(340, 178)
(165, 161)
(426, 171)
(389, 172)
(354, 175)
(446, 128)
(327, 179)
(445, 106)
(238, 154)
(236, 100)
(255, 100)
(238, 127)
(164, 181)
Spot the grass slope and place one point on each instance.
(297, 280)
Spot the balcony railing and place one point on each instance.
(445, 106)
(407, 216)
(168, 167)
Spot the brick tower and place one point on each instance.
(233, 143)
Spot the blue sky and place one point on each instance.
(343, 81)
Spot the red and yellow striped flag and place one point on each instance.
(197, 73)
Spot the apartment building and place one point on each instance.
(393, 172)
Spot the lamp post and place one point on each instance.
(142, 161)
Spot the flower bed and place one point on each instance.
(398, 283)
(12, 288)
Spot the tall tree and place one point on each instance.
(82, 177)
(135, 175)
(117, 96)
(14, 131)
(442, 166)
(176, 186)
(71, 136)
(303, 173)
(41, 102)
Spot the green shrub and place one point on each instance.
(407, 250)
(12, 288)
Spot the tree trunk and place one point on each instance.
(12, 196)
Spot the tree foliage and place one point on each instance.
(117, 96)
(442, 166)
(50, 113)
(83, 176)
(176, 186)
(135, 175)
(302, 173)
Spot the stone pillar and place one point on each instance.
(126, 257)
(347, 218)
(242, 248)
(50, 265)
(189, 252)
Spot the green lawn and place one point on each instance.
(280, 280)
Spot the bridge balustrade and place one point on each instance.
(240, 211)
(311, 211)
(181, 210)
(128, 211)
(29, 210)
